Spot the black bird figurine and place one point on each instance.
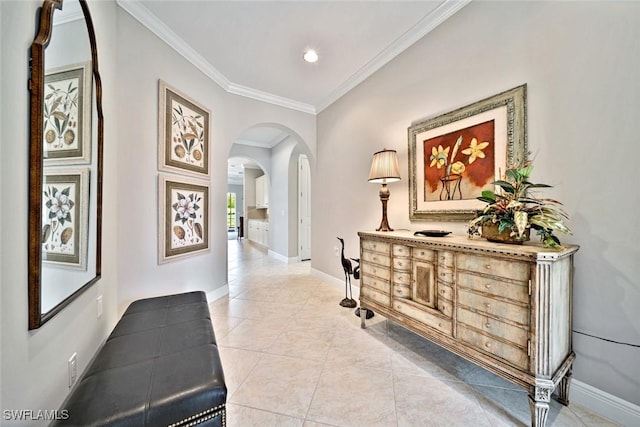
(348, 300)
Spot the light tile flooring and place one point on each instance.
(293, 357)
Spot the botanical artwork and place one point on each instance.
(184, 130)
(459, 165)
(456, 156)
(184, 217)
(66, 115)
(65, 194)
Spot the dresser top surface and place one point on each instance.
(532, 250)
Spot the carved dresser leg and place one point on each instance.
(563, 387)
(539, 398)
(363, 317)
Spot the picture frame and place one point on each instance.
(183, 223)
(65, 193)
(456, 155)
(184, 132)
(66, 131)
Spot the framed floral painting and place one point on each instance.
(184, 217)
(65, 202)
(184, 133)
(67, 115)
(455, 156)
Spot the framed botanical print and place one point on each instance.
(67, 115)
(184, 127)
(455, 156)
(65, 193)
(183, 217)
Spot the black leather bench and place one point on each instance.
(159, 367)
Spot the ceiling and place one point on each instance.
(254, 48)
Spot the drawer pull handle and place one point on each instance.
(442, 274)
(487, 344)
(488, 266)
(439, 325)
(486, 304)
(488, 286)
(442, 291)
(487, 325)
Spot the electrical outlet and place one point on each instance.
(73, 370)
(336, 251)
(99, 301)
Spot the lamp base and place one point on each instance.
(384, 197)
(384, 226)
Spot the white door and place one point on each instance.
(304, 209)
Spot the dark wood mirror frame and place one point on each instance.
(36, 87)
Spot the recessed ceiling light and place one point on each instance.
(310, 56)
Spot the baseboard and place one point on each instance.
(217, 293)
(282, 258)
(604, 404)
(339, 283)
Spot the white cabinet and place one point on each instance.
(506, 308)
(259, 232)
(262, 192)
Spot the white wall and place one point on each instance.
(34, 364)
(283, 201)
(142, 60)
(581, 63)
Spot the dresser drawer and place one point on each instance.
(424, 254)
(493, 286)
(372, 245)
(402, 264)
(376, 258)
(514, 334)
(402, 277)
(445, 274)
(494, 307)
(401, 291)
(495, 348)
(374, 295)
(445, 259)
(381, 285)
(401, 251)
(515, 270)
(429, 318)
(445, 292)
(445, 307)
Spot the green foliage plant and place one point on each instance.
(514, 208)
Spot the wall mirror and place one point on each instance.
(65, 159)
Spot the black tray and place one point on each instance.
(431, 233)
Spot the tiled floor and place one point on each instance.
(293, 357)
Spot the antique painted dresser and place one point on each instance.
(506, 308)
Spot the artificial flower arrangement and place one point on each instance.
(514, 210)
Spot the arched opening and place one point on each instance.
(267, 165)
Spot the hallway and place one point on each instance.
(293, 357)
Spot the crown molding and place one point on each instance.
(259, 95)
(157, 27)
(415, 33)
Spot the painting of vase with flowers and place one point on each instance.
(460, 164)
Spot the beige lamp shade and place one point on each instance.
(384, 167)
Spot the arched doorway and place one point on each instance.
(275, 151)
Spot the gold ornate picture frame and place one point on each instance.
(456, 155)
